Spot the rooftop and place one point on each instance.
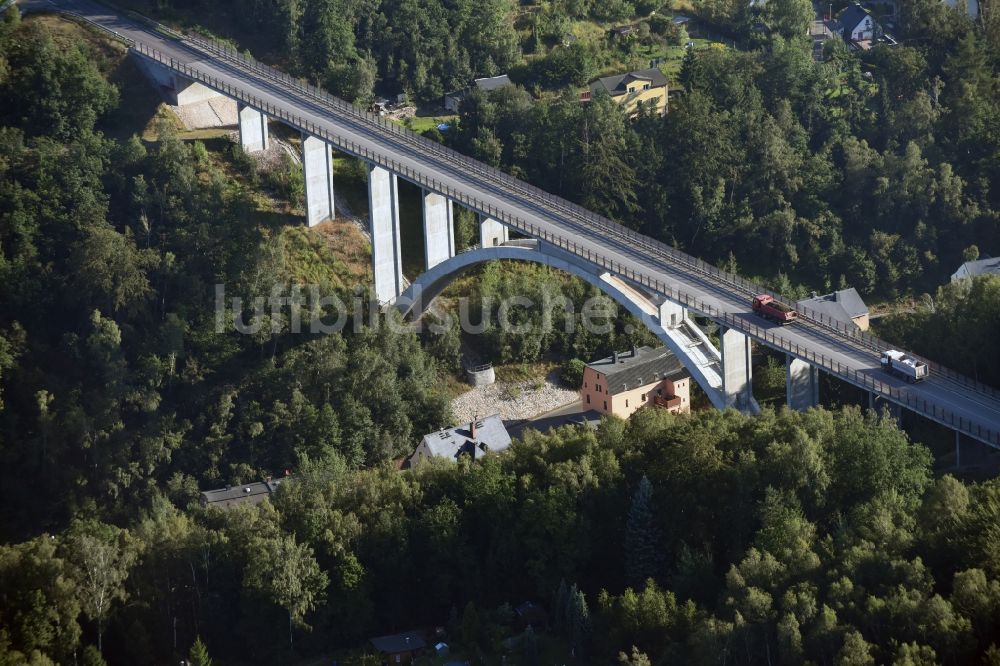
(618, 83)
(493, 82)
(977, 267)
(852, 16)
(843, 305)
(248, 493)
(491, 435)
(641, 366)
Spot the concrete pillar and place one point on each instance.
(737, 377)
(801, 384)
(671, 314)
(492, 232)
(253, 129)
(439, 229)
(383, 204)
(317, 159)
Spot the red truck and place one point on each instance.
(767, 307)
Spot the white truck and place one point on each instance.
(899, 363)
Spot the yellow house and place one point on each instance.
(623, 383)
(643, 85)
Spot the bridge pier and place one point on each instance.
(801, 384)
(383, 204)
(253, 129)
(671, 314)
(439, 229)
(737, 376)
(317, 160)
(492, 232)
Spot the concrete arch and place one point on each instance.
(667, 320)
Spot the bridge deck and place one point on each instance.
(944, 397)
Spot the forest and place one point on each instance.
(875, 170)
(823, 537)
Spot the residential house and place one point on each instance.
(400, 648)
(971, 269)
(858, 26)
(632, 88)
(845, 306)
(623, 383)
(250, 493)
(475, 440)
(453, 100)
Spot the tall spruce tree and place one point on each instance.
(642, 537)
(198, 656)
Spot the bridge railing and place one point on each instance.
(847, 330)
(862, 379)
(535, 195)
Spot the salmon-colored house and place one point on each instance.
(624, 382)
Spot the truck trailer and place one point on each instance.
(903, 365)
(767, 307)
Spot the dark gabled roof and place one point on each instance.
(618, 83)
(843, 305)
(397, 643)
(491, 435)
(852, 16)
(640, 367)
(979, 267)
(248, 493)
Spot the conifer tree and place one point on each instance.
(198, 656)
(642, 537)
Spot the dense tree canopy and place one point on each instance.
(714, 537)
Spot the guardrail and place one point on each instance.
(847, 330)
(748, 287)
(901, 396)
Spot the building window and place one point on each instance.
(605, 405)
(645, 87)
(644, 397)
(659, 391)
(585, 385)
(588, 398)
(626, 403)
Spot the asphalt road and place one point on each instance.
(518, 202)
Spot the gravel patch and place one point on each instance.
(513, 401)
(215, 112)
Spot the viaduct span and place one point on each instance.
(659, 284)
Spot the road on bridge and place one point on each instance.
(523, 206)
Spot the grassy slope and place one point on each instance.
(335, 254)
